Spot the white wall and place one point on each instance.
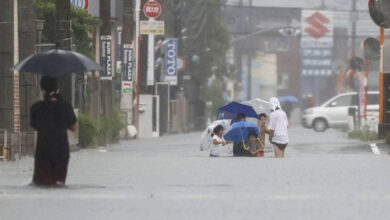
(264, 76)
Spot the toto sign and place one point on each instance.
(152, 9)
(80, 3)
(171, 51)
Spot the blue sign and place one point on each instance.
(83, 4)
(317, 61)
(171, 54)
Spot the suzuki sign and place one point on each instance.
(317, 29)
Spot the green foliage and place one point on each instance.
(46, 10)
(88, 131)
(364, 135)
(94, 133)
(111, 126)
(214, 94)
(204, 35)
(82, 24)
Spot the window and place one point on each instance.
(373, 99)
(342, 101)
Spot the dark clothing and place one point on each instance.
(51, 119)
(239, 151)
(280, 146)
(48, 173)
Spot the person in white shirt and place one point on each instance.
(220, 147)
(278, 135)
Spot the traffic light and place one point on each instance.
(379, 12)
(372, 49)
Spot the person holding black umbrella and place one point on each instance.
(51, 118)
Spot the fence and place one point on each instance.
(15, 145)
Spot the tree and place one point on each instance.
(82, 25)
(205, 42)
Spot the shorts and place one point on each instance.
(47, 173)
(280, 146)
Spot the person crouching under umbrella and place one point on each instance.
(51, 118)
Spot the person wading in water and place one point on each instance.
(51, 118)
(278, 134)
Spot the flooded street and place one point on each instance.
(169, 178)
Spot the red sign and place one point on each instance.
(181, 63)
(318, 23)
(152, 9)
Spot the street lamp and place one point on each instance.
(39, 24)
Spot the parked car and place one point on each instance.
(334, 112)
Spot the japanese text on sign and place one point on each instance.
(105, 57)
(127, 62)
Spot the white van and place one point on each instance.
(334, 112)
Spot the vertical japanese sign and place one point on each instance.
(316, 50)
(105, 57)
(127, 76)
(119, 50)
(150, 61)
(127, 69)
(171, 53)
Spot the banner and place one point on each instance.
(105, 57)
(150, 61)
(119, 50)
(171, 53)
(127, 76)
(127, 70)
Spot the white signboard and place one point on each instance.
(317, 29)
(152, 27)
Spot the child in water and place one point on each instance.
(255, 146)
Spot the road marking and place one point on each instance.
(375, 149)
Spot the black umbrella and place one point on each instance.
(56, 62)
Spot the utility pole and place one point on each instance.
(7, 52)
(29, 89)
(137, 60)
(16, 92)
(95, 86)
(354, 19)
(323, 6)
(105, 30)
(63, 35)
(127, 38)
(177, 31)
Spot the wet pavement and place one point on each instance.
(324, 176)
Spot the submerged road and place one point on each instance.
(324, 176)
